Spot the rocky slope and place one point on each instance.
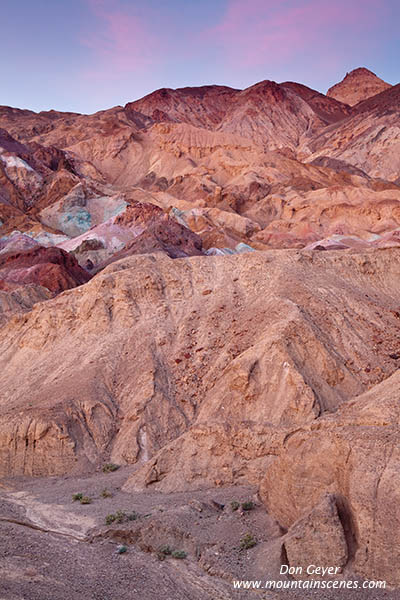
(236, 166)
(369, 140)
(181, 350)
(165, 304)
(353, 456)
(358, 85)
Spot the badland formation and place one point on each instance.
(202, 287)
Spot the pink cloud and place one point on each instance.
(256, 31)
(122, 42)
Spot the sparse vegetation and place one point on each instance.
(247, 541)
(121, 549)
(121, 516)
(234, 505)
(86, 500)
(110, 467)
(178, 554)
(163, 552)
(77, 496)
(110, 519)
(106, 493)
(132, 516)
(249, 505)
(166, 550)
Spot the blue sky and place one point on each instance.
(87, 55)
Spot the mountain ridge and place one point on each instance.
(201, 287)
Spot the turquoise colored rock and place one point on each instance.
(242, 247)
(219, 251)
(179, 216)
(76, 222)
(114, 212)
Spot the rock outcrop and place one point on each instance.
(318, 539)
(352, 454)
(211, 338)
(358, 85)
(51, 268)
(266, 353)
(272, 154)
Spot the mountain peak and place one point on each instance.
(358, 85)
(361, 72)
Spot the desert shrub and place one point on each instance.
(234, 505)
(106, 493)
(178, 554)
(121, 549)
(249, 505)
(110, 519)
(77, 496)
(163, 552)
(132, 516)
(247, 541)
(86, 500)
(120, 516)
(110, 467)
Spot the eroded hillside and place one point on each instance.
(167, 305)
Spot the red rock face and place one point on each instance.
(53, 158)
(358, 85)
(388, 99)
(327, 108)
(139, 213)
(210, 147)
(51, 268)
(161, 234)
(166, 236)
(203, 106)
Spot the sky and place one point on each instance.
(89, 55)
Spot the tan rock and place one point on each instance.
(368, 140)
(317, 540)
(352, 454)
(201, 362)
(358, 85)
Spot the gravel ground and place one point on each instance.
(52, 548)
